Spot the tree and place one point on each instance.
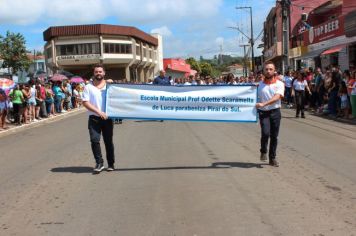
(206, 69)
(193, 64)
(13, 52)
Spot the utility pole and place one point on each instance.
(285, 5)
(220, 59)
(252, 41)
(245, 64)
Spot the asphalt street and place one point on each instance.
(180, 178)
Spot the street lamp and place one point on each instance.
(251, 39)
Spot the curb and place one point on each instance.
(52, 119)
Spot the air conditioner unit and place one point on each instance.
(304, 16)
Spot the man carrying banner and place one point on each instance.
(94, 96)
(270, 93)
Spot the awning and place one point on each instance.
(333, 50)
(311, 54)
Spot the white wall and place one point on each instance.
(159, 65)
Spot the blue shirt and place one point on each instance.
(57, 91)
(161, 81)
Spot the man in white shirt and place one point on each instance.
(270, 93)
(94, 96)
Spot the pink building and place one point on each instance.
(317, 33)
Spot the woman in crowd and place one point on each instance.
(288, 88)
(58, 95)
(230, 79)
(298, 91)
(27, 95)
(49, 100)
(75, 95)
(333, 92)
(17, 100)
(3, 109)
(32, 103)
(349, 80)
(344, 101)
(353, 95)
(39, 101)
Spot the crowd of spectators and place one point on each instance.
(37, 100)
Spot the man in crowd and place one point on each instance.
(162, 79)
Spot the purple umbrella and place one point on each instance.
(58, 77)
(77, 79)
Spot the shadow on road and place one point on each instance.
(145, 121)
(215, 165)
(73, 169)
(289, 117)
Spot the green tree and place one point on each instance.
(13, 52)
(193, 64)
(206, 69)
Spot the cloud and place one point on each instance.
(27, 12)
(164, 31)
(20, 12)
(189, 27)
(75, 11)
(152, 11)
(219, 41)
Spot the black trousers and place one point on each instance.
(270, 122)
(18, 109)
(299, 101)
(97, 126)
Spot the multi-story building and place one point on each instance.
(273, 36)
(126, 52)
(318, 33)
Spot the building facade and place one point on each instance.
(319, 34)
(273, 36)
(127, 53)
(177, 68)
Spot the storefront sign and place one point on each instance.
(78, 57)
(330, 29)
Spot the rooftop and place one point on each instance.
(98, 29)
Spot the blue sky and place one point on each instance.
(189, 27)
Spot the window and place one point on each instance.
(40, 66)
(78, 49)
(49, 52)
(138, 50)
(116, 48)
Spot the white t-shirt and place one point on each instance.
(288, 81)
(96, 97)
(299, 85)
(267, 91)
(353, 91)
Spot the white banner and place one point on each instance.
(189, 103)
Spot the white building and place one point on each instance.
(126, 52)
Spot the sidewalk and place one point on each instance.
(14, 128)
(324, 116)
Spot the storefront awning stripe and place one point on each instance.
(333, 50)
